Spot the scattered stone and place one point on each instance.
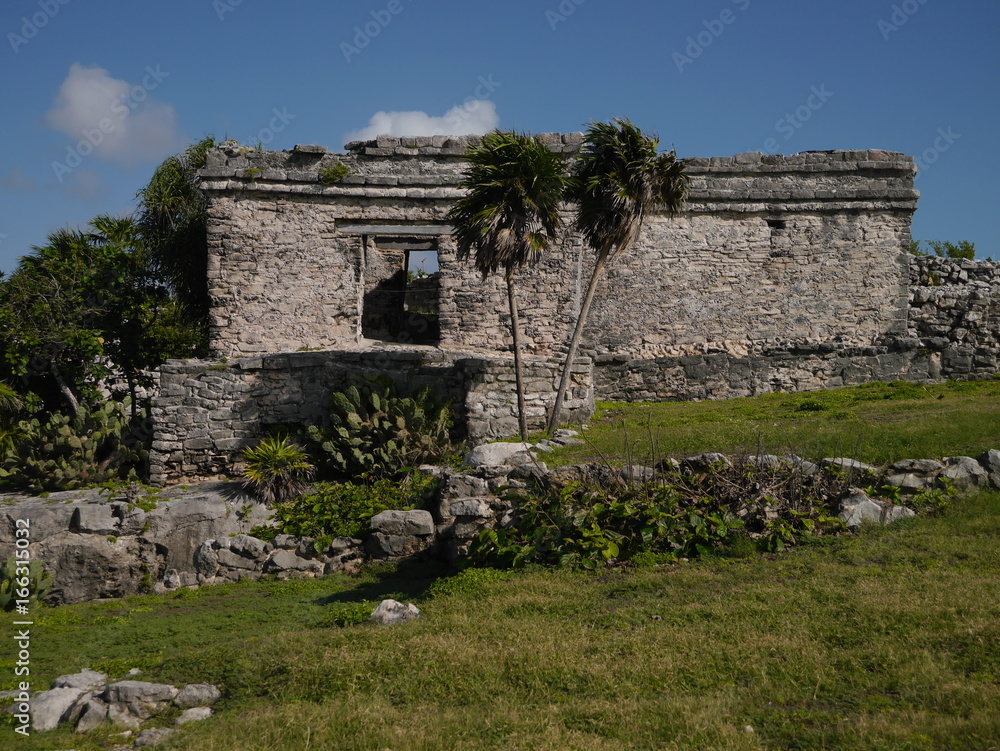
(493, 454)
(51, 707)
(637, 473)
(86, 680)
(964, 472)
(403, 523)
(286, 560)
(913, 475)
(126, 692)
(390, 612)
(990, 461)
(703, 463)
(93, 714)
(197, 695)
(804, 466)
(848, 465)
(856, 508)
(194, 714)
(153, 737)
(477, 507)
(247, 546)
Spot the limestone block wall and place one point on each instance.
(771, 250)
(952, 331)
(206, 413)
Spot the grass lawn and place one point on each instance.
(886, 639)
(877, 423)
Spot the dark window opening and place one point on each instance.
(401, 295)
(776, 223)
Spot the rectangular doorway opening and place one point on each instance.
(401, 296)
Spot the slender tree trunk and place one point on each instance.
(68, 395)
(574, 343)
(518, 375)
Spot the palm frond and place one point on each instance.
(510, 212)
(619, 178)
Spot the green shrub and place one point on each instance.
(376, 431)
(344, 509)
(679, 516)
(277, 470)
(16, 576)
(63, 453)
(334, 173)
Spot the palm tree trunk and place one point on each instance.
(518, 376)
(574, 343)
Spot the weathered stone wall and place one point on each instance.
(953, 331)
(206, 413)
(770, 251)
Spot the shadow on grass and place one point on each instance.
(402, 581)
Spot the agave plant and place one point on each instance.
(277, 470)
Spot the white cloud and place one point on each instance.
(121, 121)
(476, 116)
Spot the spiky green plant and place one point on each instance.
(277, 470)
(376, 431)
(30, 579)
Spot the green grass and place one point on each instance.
(885, 640)
(877, 423)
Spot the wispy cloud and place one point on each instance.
(113, 119)
(474, 117)
(18, 182)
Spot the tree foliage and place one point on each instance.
(962, 249)
(619, 178)
(509, 215)
(172, 223)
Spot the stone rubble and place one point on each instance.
(87, 701)
(469, 501)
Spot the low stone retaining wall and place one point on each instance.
(206, 413)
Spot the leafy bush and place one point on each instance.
(604, 520)
(376, 431)
(277, 469)
(344, 509)
(334, 173)
(345, 614)
(16, 576)
(64, 453)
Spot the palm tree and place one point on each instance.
(509, 215)
(618, 179)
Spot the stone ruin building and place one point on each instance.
(783, 273)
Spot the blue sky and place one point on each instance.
(97, 94)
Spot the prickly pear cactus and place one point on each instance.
(375, 431)
(32, 578)
(63, 453)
